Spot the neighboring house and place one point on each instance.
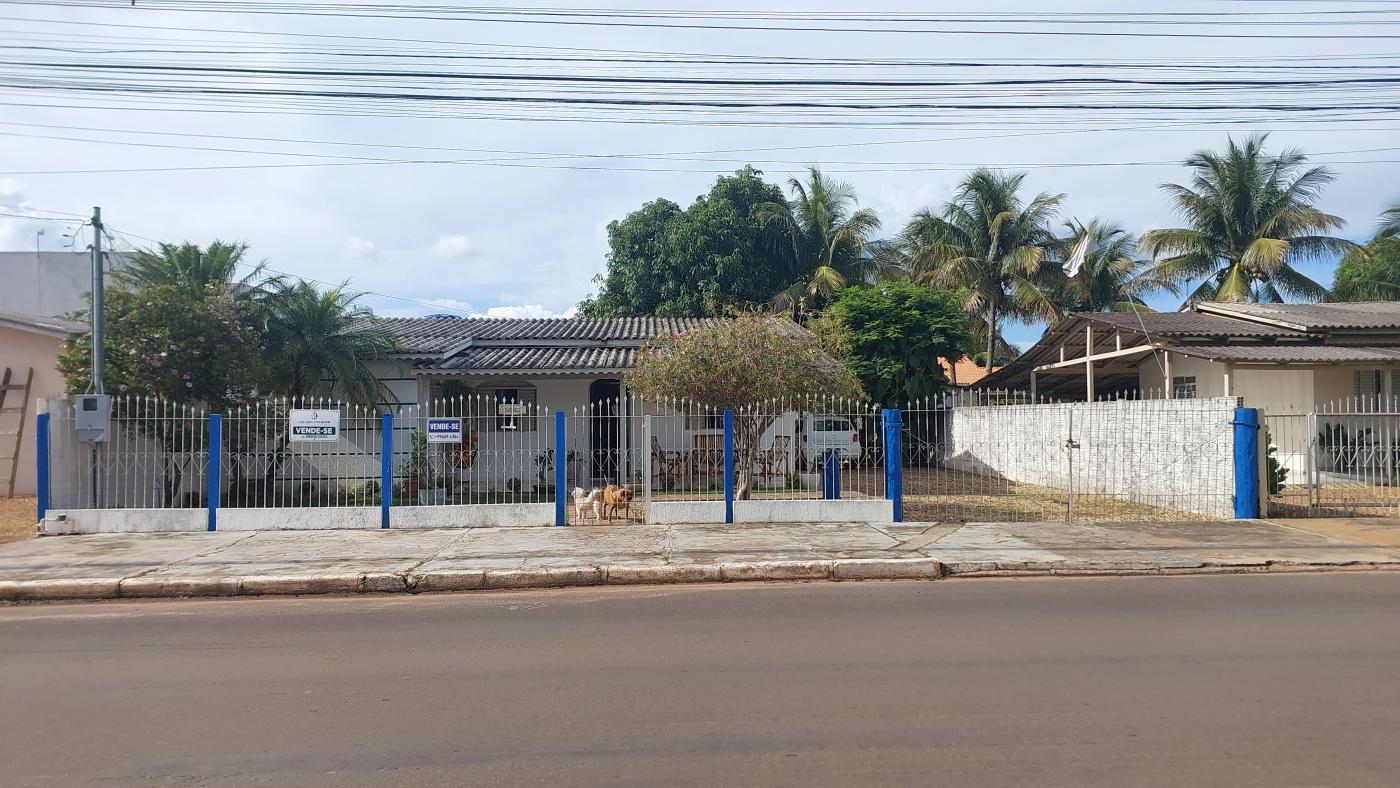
(28, 345)
(1278, 357)
(964, 372)
(51, 284)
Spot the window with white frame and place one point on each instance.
(1184, 387)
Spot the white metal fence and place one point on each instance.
(156, 456)
(472, 450)
(1340, 459)
(989, 456)
(261, 466)
(673, 452)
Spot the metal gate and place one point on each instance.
(1338, 460)
(1000, 458)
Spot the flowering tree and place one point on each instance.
(160, 344)
(749, 365)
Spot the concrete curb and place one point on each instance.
(856, 569)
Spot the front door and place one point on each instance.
(603, 430)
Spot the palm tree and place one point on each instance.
(320, 342)
(1390, 222)
(1251, 217)
(989, 244)
(188, 268)
(821, 237)
(1112, 277)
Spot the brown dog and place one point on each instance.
(615, 496)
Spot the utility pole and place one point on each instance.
(95, 387)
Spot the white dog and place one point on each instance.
(593, 499)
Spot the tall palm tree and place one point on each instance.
(1112, 278)
(821, 237)
(321, 342)
(990, 244)
(1250, 218)
(189, 268)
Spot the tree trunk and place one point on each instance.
(991, 335)
(747, 432)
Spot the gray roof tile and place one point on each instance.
(1293, 354)
(1312, 317)
(436, 335)
(1185, 324)
(507, 360)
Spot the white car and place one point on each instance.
(820, 433)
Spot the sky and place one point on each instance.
(524, 235)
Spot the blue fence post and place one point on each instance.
(216, 441)
(894, 462)
(560, 466)
(386, 467)
(729, 466)
(831, 474)
(1246, 463)
(41, 473)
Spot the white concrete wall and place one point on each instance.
(1172, 454)
(105, 521)
(868, 510)
(1210, 376)
(1276, 390)
(496, 515)
(306, 519)
(673, 512)
(51, 284)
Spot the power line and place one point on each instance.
(648, 19)
(528, 156)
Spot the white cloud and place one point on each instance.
(447, 247)
(526, 310)
(360, 249)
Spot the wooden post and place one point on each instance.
(1167, 372)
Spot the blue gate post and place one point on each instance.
(41, 473)
(894, 462)
(831, 474)
(560, 466)
(1246, 463)
(216, 452)
(386, 467)
(729, 466)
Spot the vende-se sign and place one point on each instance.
(313, 426)
(444, 430)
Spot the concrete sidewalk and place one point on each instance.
(305, 562)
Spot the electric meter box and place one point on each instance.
(92, 417)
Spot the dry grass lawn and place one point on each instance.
(16, 518)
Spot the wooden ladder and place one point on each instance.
(11, 427)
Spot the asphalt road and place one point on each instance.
(1262, 680)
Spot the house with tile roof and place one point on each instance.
(1279, 357)
(518, 370)
(552, 362)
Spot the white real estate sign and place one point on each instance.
(313, 426)
(444, 430)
